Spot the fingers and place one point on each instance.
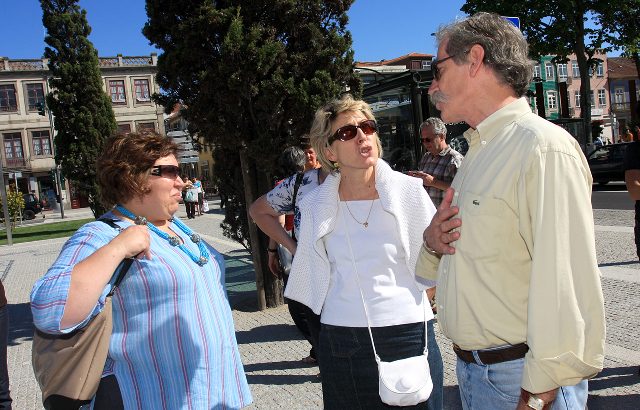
(447, 200)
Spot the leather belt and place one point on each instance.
(492, 356)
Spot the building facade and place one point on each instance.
(624, 91)
(26, 132)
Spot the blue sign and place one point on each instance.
(514, 20)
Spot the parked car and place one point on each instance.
(31, 206)
(607, 162)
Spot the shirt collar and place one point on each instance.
(445, 151)
(490, 126)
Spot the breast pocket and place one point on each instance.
(486, 226)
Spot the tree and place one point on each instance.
(556, 27)
(251, 74)
(82, 110)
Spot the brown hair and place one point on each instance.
(125, 164)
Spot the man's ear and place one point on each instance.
(330, 154)
(476, 57)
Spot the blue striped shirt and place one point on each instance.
(173, 344)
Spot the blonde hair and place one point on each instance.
(323, 120)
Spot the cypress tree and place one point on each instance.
(82, 110)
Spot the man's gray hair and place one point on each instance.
(505, 49)
(438, 126)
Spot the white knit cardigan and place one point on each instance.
(401, 195)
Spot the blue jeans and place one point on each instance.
(349, 370)
(497, 386)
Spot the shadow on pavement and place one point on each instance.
(280, 379)
(618, 263)
(615, 377)
(269, 333)
(284, 365)
(20, 323)
(626, 402)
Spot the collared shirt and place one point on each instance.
(525, 266)
(442, 167)
(173, 344)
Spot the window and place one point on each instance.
(576, 95)
(600, 69)
(592, 99)
(116, 90)
(41, 143)
(552, 100)
(426, 64)
(8, 101)
(548, 70)
(575, 69)
(415, 65)
(13, 146)
(536, 70)
(602, 99)
(562, 72)
(146, 126)
(618, 96)
(142, 90)
(124, 129)
(35, 95)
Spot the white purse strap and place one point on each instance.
(364, 304)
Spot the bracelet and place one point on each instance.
(272, 250)
(429, 250)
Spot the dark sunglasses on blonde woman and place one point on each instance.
(166, 171)
(349, 132)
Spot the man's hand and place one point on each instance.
(548, 397)
(439, 236)
(427, 179)
(274, 264)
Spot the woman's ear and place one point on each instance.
(330, 154)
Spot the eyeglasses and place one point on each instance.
(166, 171)
(426, 139)
(349, 132)
(435, 65)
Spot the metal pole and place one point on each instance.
(5, 206)
(15, 178)
(53, 148)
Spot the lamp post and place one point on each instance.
(5, 206)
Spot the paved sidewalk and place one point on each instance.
(272, 348)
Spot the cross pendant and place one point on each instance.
(366, 224)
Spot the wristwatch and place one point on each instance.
(534, 402)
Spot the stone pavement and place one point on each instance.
(271, 347)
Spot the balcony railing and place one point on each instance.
(15, 162)
(619, 107)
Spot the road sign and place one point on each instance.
(513, 20)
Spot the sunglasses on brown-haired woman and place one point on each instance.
(349, 132)
(166, 171)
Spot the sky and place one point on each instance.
(381, 29)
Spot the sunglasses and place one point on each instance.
(166, 171)
(426, 139)
(435, 65)
(349, 132)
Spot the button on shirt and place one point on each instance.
(525, 266)
(442, 167)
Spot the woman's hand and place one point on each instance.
(133, 241)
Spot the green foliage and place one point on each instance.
(15, 203)
(623, 30)
(82, 110)
(251, 74)
(557, 27)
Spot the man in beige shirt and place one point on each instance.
(512, 245)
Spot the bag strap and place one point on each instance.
(124, 266)
(364, 304)
(296, 186)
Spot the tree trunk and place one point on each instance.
(269, 288)
(583, 66)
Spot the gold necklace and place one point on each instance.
(366, 221)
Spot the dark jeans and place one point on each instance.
(307, 322)
(349, 370)
(5, 398)
(191, 209)
(108, 396)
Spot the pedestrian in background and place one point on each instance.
(439, 163)
(190, 198)
(5, 397)
(173, 343)
(354, 264)
(512, 245)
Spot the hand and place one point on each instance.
(548, 397)
(134, 241)
(274, 264)
(439, 235)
